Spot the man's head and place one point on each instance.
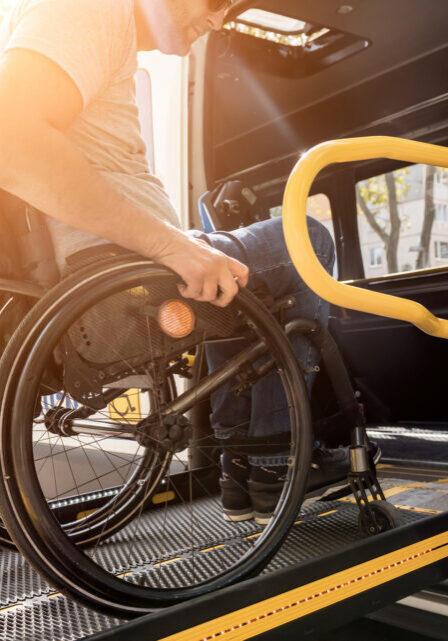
(175, 24)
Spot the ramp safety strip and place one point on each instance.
(294, 604)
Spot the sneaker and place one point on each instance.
(236, 502)
(264, 498)
(328, 466)
(235, 499)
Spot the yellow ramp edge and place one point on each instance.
(269, 614)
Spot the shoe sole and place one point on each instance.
(235, 518)
(261, 519)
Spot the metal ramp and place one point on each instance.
(323, 546)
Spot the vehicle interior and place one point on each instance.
(391, 83)
(279, 78)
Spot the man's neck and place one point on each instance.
(145, 40)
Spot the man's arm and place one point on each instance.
(40, 165)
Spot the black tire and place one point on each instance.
(110, 584)
(387, 517)
(114, 509)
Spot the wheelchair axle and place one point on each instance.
(62, 422)
(169, 433)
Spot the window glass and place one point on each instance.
(375, 256)
(441, 249)
(319, 207)
(403, 220)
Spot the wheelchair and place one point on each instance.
(77, 471)
(117, 324)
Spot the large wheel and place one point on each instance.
(93, 337)
(93, 483)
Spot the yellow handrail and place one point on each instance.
(298, 240)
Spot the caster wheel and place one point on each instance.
(385, 517)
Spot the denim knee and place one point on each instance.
(322, 243)
(262, 247)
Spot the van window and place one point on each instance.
(403, 220)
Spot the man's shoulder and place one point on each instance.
(117, 13)
(93, 41)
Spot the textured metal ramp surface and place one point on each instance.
(55, 619)
(32, 611)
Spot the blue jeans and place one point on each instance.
(262, 410)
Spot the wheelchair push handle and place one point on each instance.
(298, 240)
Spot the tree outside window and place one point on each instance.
(399, 208)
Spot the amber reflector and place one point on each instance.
(176, 318)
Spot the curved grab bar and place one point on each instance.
(298, 240)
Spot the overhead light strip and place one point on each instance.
(296, 40)
(272, 21)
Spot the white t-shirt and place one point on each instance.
(94, 42)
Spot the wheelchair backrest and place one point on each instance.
(27, 249)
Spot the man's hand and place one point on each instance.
(208, 274)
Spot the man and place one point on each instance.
(70, 142)
(70, 145)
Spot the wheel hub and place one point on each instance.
(170, 433)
